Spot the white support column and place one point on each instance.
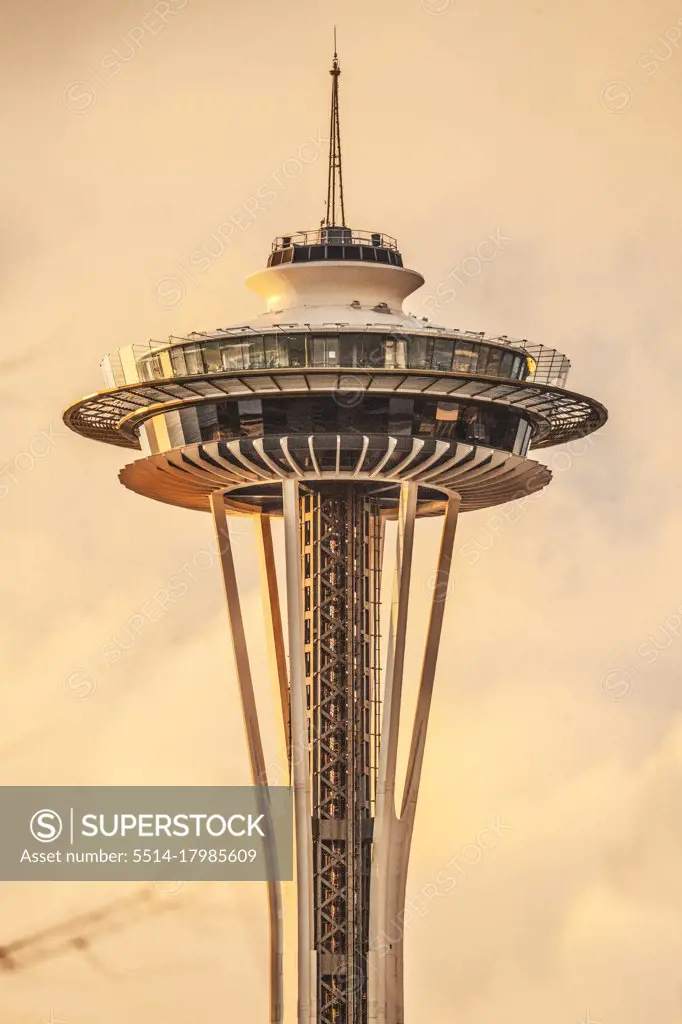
(307, 968)
(275, 638)
(382, 969)
(255, 747)
(415, 762)
(428, 672)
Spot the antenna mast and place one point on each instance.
(335, 179)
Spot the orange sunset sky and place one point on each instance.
(130, 141)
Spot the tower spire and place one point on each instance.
(335, 206)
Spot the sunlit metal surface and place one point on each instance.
(251, 477)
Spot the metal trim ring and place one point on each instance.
(188, 476)
(115, 415)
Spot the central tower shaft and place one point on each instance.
(341, 551)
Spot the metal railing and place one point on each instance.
(335, 236)
(546, 365)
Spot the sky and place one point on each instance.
(137, 135)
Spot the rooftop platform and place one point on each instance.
(335, 243)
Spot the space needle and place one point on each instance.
(337, 412)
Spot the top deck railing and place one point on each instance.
(335, 236)
(329, 347)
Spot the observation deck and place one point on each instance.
(335, 381)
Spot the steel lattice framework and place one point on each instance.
(341, 579)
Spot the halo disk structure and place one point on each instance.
(336, 410)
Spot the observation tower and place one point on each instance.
(337, 411)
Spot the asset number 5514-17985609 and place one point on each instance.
(212, 856)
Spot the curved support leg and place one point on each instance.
(307, 972)
(255, 747)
